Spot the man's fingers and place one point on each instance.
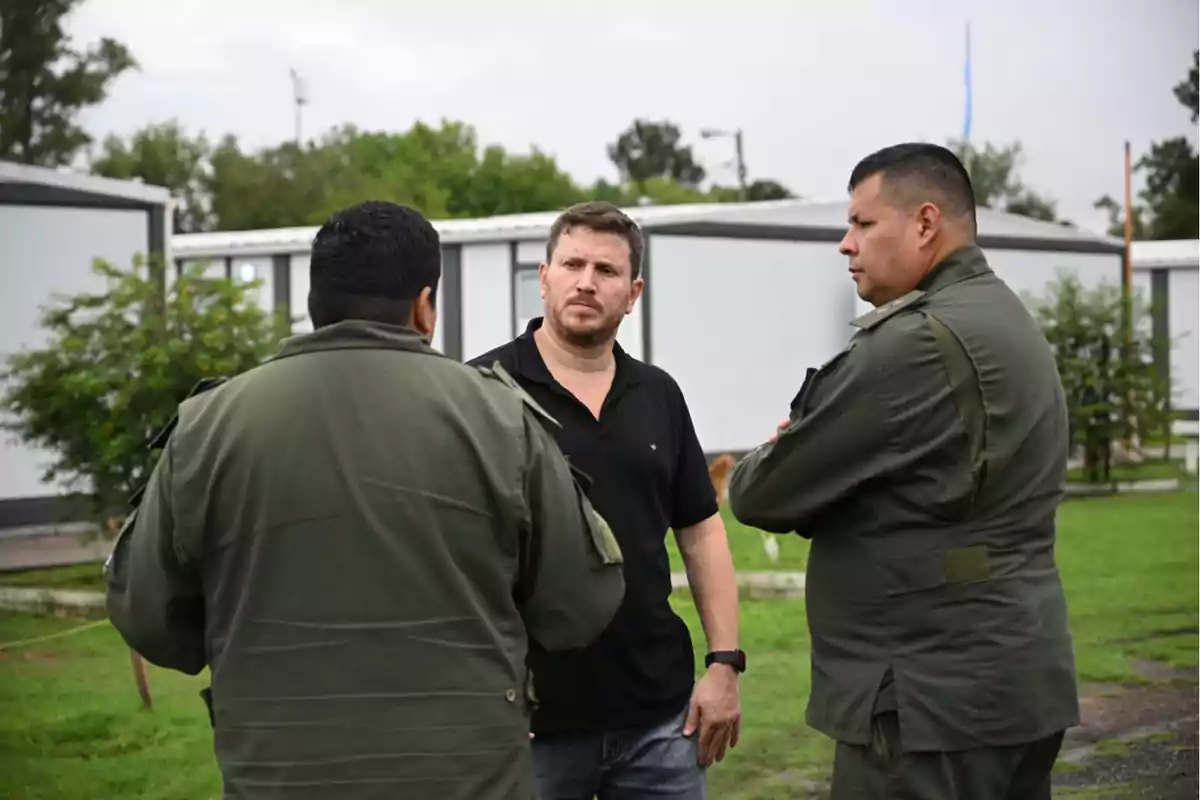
(736, 733)
(712, 738)
(693, 718)
(722, 743)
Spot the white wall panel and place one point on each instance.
(1183, 307)
(531, 252)
(738, 322)
(486, 298)
(43, 252)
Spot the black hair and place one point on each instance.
(919, 172)
(370, 262)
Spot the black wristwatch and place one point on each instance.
(734, 658)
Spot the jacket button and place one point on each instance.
(510, 695)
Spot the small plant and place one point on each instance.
(115, 366)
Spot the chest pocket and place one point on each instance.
(801, 403)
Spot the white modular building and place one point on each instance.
(53, 224)
(1167, 273)
(740, 298)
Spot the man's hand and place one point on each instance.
(717, 712)
(779, 429)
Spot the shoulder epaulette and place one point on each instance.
(498, 373)
(875, 316)
(205, 384)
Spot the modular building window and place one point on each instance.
(527, 297)
(249, 270)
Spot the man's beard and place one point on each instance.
(604, 333)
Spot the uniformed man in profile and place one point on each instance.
(359, 538)
(926, 462)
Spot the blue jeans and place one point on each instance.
(657, 762)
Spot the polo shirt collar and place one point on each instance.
(531, 365)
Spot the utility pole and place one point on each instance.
(740, 163)
(1127, 294)
(299, 98)
(741, 166)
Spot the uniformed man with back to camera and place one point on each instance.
(360, 538)
(926, 462)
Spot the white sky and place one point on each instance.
(815, 88)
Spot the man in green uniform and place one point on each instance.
(926, 462)
(359, 538)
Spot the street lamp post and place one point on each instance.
(736, 135)
(299, 98)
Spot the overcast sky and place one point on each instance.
(814, 88)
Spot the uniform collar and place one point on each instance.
(959, 265)
(357, 334)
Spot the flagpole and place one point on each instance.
(967, 109)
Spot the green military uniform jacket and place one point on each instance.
(926, 462)
(358, 538)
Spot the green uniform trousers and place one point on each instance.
(880, 771)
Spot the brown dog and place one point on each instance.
(718, 472)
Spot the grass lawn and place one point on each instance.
(77, 577)
(1149, 470)
(72, 727)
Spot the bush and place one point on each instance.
(1112, 388)
(116, 365)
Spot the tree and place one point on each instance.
(1109, 375)
(1116, 219)
(163, 154)
(994, 178)
(649, 149)
(767, 190)
(115, 366)
(45, 83)
(1170, 207)
(1187, 91)
(439, 170)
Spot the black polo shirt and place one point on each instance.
(648, 475)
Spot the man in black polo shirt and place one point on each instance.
(622, 718)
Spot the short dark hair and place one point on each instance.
(370, 261)
(603, 217)
(920, 172)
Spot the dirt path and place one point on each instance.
(1135, 741)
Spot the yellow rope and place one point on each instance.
(68, 632)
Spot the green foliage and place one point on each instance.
(45, 83)
(995, 179)
(115, 365)
(444, 171)
(162, 154)
(653, 149)
(1112, 385)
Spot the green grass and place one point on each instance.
(747, 547)
(77, 577)
(1150, 470)
(1129, 564)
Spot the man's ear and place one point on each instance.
(929, 222)
(424, 313)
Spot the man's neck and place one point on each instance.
(559, 353)
(947, 248)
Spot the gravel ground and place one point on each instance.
(1134, 743)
